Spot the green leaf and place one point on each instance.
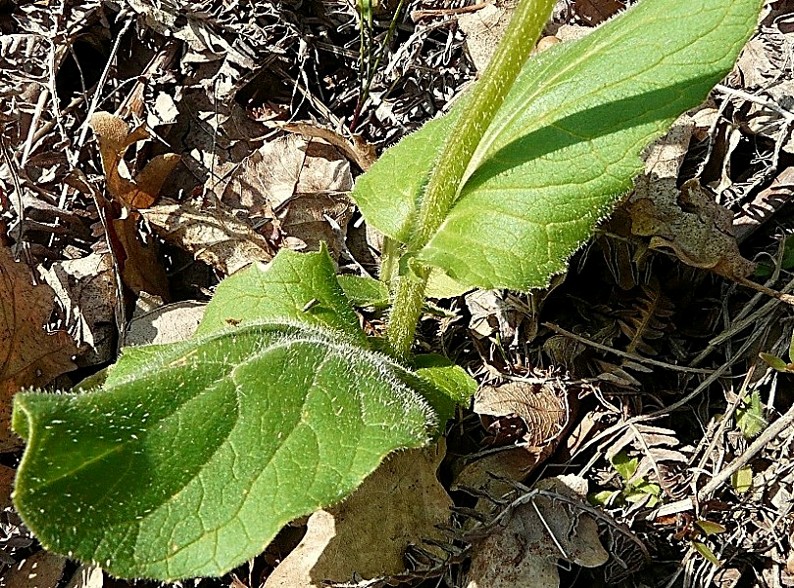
(363, 292)
(294, 287)
(742, 480)
(194, 455)
(565, 145)
(774, 362)
(624, 465)
(710, 527)
(707, 553)
(750, 416)
(389, 192)
(455, 385)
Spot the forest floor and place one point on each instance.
(634, 381)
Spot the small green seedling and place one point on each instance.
(634, 489)
(751, 416)
(190, 457)
(779, 363)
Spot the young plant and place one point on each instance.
(190, 457)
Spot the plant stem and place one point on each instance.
(486, 98)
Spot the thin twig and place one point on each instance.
(638, 358)
(756, 447)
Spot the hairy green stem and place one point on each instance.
(442, 189)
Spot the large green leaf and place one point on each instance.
(565, 144)
(195, 455)
(294, 287)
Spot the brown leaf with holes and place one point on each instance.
(114, 138)
(29, 355)
(687, 220)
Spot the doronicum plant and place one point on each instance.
(190, 457)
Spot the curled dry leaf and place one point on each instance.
(139, 262)
(214, 236)
(686, 220)
(114, 138)
(356, 149)
(525, 543)
(399, 505)
(29, 355)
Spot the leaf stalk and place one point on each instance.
(444, 184)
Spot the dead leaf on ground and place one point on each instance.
(530, 413)
(542, 405)
(6, 485)
(29, 356)
(167, 324)
(399, 505)
(520, 550)
(309, 219)
(114, 138)
(686, 220)
(213, 235)
(139, 263)
(87, 289)
(484, 29)
(41, 570)
(594, 12)
(294, 188)
(357, 149)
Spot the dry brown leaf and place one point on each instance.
(594, 12)
(491, 474)
(520, 551)
(87, 289)
(41, 570)
(6, 485)
(541, 403)
(166, 324)
(399, 505)
(484, 29)
(304, 220)
(686, 220)
(267, 177)
(114, 138)
(140, 264)
(215, 236)
(29, 355)
(358, 150)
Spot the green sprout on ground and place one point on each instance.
(190, 457)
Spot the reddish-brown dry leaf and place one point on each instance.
(114, 138)
(139, 264)
(29, 355)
